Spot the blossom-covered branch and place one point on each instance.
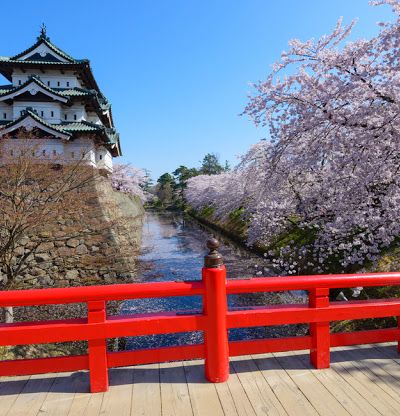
(331, 169)
(129, 179)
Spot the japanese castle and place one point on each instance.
(57, 97)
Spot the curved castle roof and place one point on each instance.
(44, 55)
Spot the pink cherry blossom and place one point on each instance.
(331, 168)
(129, 179)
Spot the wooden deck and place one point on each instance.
(363, 380)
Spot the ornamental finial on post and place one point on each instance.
(213, 258)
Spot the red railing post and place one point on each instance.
(320, 331)
(215, 309)
(97, 350)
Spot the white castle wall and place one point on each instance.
(55, 78)
(6, 112)
(59, 151)
(74, 113)
(51, 111)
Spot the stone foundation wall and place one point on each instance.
(104, 258)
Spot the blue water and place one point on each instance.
(173, 249)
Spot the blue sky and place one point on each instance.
(177, 72)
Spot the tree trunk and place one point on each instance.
(9, 314)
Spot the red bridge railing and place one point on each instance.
(214, 320)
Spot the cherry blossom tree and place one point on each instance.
(331, 169)
(129, 179)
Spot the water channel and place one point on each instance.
(173, 249)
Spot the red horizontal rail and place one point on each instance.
(170, 322)
(214, 320)
(189, 352)
(79, 329)
(96, 293)
(296, 314)
(331, 281)
(192, 288)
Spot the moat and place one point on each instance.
(173, 249)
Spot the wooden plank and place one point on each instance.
(376, 373)
(117, 400)
(226, 399)
(234, 397)
(174, 390)
(318, 395)
(363, 384)
(10, 388)
(260, 394)
(85, 403)
(59, 398)
(291, 397)
(343, 391)
(146, 393)
(203, 394)
(382, 363)
(388, 349)
(32, 396)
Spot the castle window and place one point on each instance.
(74, 116)
(42, 113)
(44, 152)
(65, 117)
(54, 152)
(33, 153)
(58, 83)
(67, 83)
(72, 155)
(4, 115)
(19, 82)
(48, 83)
(11, 152)
(52, 114)
(100, 157)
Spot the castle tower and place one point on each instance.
(57, 96)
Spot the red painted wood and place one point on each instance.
(364, 337)
(319, 331)
(294, 314)
(216, 333)
(79, 329)
(282, 283)
(42, 332)
(190, 288)
(214, 321)
(155, 355)
(189, 352)
(157, 323)
(109, 292)
(44, 365)
(97, 349)
(263, 346)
